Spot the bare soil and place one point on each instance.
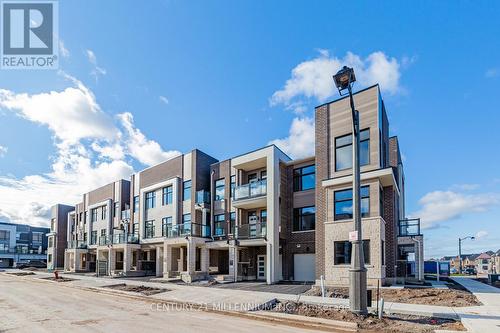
(147, 291)
(396, 323)
(455, 296)
(21, 273)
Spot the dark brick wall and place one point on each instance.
(321, 152)
(391, 241)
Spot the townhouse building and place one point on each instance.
(257, 216)
(21, 243)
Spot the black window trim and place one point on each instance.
(367, 214)
(297, 178)
(350, 144)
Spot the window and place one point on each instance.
(167, 195)
(104, 212)
(186, 218)
(263, 175)
(304, 218)
(252, 177)
(233, 185)
(304, 178)
(149, 229)
(166, 223)
(343, 252)
(232, 221)
(4, 235)
(103, 232)
(37, 237)
(51, 242)
(136, 203)
(93, 237)
(93, 216)
(343, 203)
(53, 225)
(50, 258)
(263, 216)
(150, 199)
(343, 150)
(219, 225)
(117, 209)
(135, 229)
(219, 189)
(186, 190)
(85, 237)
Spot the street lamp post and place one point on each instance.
(357, 273)
(460, 251)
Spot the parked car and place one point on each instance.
(33, 263)
(453, 270)
(470, 271)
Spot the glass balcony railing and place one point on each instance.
(250, 190)
(250, 231)
(105, 240)
(125, 239)
(409, 227)
(202, 197)
(74, 244)
(220, 229)
(186, 229)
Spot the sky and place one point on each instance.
(140, 82)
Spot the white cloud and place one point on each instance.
(146, 151)
(300, 142)
(91, 151)
(313, 78)
(96, 71)
(63, 51)
(465, 187)
(164, 100)
(441, 206)
(492, 72)
(481, 234)
(3, 151)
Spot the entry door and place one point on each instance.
(261, 267)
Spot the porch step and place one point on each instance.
(223, 278)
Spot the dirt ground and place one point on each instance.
(455, 296)
(147, 291)
(21, 273)
(371, 323)
(60, 279)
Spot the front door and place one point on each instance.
(261, 267)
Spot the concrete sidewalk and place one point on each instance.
(485, 318)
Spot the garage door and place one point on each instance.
(304, 267)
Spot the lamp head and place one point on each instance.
(344, 78)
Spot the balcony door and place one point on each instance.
(253, 219)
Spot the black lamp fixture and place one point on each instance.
(344, 79)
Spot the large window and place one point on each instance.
(149, 231)
(4, 235)
(304, 218)
(186, 190)
(166, 223)
(343, 150)
(150, 199)
(167, 195)
(93, 237)
(304, 178)
(343, 203)
(116, 211)
(104, 212)
(219, 189)
(232, 221)
(343, 252)
(186, 218)
(135, 229)
(219, 229)
(93, 216)
(136, 203)
(233, 185)
(37, 237)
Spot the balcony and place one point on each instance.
(105, 240)
(125, 239)
(202, 199)
(250, 231)
(409, 227)
(77, 244)
(220, 230)
(186, 229)
(251, 195)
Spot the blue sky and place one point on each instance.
(137, 70)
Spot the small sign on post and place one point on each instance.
(353, 236)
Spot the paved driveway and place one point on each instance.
(281, 288)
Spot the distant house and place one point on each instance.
(20, 243)
(483, 263)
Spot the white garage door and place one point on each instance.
(304, 267)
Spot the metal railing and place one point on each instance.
(250, 231)
(409, 227)
(77, 244)
(125, 239)
(250, 190)
(202, 197)
(186, 229)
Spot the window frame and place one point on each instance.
(344, 145)
(150, 200)
(299, 175)
(350, 217)
(167, 220)
(219, 187)
(347, 256)
(186, 189)
(167, 195)
(298, 216)
(149, 225)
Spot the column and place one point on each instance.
(233, 262)
(127, 259)
(159, 261)
(181, 260)
(167, 260)
(111, 261)
(191, 258)
(205, 258)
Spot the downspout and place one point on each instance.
(211, 204)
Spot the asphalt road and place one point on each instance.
(31, 305)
